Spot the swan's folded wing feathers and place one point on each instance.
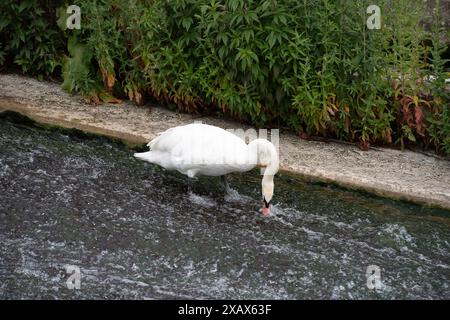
(166, 141)
(206, 149)
(158, 137)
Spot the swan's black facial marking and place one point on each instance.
(266, 204)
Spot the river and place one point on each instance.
(133, 231)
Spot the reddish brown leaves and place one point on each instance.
(99, 97)
(414, 118)
(363, 145)
(418, 115)
(136, 96)
(108, 79)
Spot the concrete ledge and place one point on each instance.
(392, 173)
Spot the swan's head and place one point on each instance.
(267, 192)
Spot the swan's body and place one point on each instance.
(201, 149)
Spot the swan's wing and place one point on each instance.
(169, 139)
(166, 140)
(202, 148)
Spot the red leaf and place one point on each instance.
(418, 114)
(363, 145)
(407, 116)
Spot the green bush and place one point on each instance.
(29, 38)
(312, 66)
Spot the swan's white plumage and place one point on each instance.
(199, 149)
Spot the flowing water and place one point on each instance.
(133, 230)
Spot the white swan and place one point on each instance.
(201, 149)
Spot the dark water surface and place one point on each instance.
(135, 232)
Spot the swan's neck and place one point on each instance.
(267, 180)
(264, 154)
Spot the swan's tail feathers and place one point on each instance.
(160, 158)
(146, 156)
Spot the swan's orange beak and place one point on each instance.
(265, 211)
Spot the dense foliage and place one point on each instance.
(312, 66)
(29, 36)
